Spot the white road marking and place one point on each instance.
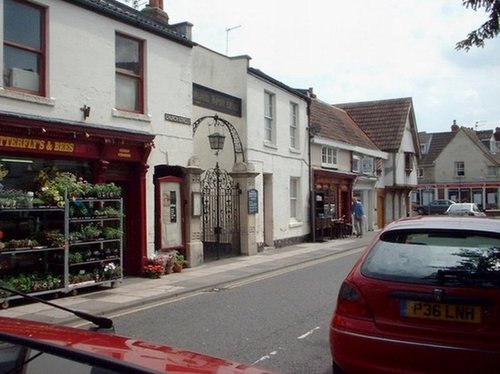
(266, 357)
(308, 333)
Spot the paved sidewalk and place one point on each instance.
(136, 291)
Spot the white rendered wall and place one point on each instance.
(279, 160)
(81, 71)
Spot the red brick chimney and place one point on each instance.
(156, 4)
(454, 127)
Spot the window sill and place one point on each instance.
(21, 96)
(294, 223)
(294, 150)
(268, 144)
(329, 166)
(130, 115)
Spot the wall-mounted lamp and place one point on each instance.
(86, 111)
(216, 141)
(43, 130)
(87, 135)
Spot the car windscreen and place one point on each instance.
(454, 257)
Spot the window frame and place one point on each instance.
(367, 165)
(40, 53)
(294, 197)
(269, 116)
(356, 164)
(492, 171)
(294, 125)
(329, 156)
(459, 166)
(409, 162)
(139, 78)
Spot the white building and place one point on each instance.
(87, 86)
(271, 121)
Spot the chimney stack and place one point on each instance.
(454, 127)
(155, 11)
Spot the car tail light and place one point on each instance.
(351, 303)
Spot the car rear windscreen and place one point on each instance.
(436, 257)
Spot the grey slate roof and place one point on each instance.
(258, 73)
(123, 13)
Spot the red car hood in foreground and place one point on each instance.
(118, 353)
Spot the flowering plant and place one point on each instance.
(112, 271)
(153, 271)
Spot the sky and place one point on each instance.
(363, 50)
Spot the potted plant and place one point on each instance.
(111, 233)
(91, 231)
(154, 267)
(179, 262)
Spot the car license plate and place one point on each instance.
(442, 312)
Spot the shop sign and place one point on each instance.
(207, 98)
(253, 201)
(34, 144)
(120, 152)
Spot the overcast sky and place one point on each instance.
(361, 50)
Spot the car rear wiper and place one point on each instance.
(100, 322)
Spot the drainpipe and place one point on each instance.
(312, 206)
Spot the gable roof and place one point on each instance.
(383, 121)
(476, 140)
(337, 125)
(436, 142)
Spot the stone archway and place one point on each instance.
(220, 197)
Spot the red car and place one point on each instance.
(32, 347)
(423, 298)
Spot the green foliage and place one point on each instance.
(488, 30)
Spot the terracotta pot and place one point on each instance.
(177, 268)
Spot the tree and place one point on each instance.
(488, 30)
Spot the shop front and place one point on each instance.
(332, 201)
(32, 148)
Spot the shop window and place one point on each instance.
(24, 47)
(492, 198)
(129, 67)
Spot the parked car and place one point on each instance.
(465, 209)
(424, 297)
(438, 206)
(35, 347)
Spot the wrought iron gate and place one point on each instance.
(221, 222)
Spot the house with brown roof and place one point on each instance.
(461, 165)
(343, 164)
(392, 127)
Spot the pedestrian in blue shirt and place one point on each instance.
(358, 212)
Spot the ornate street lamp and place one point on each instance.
(216, 141)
